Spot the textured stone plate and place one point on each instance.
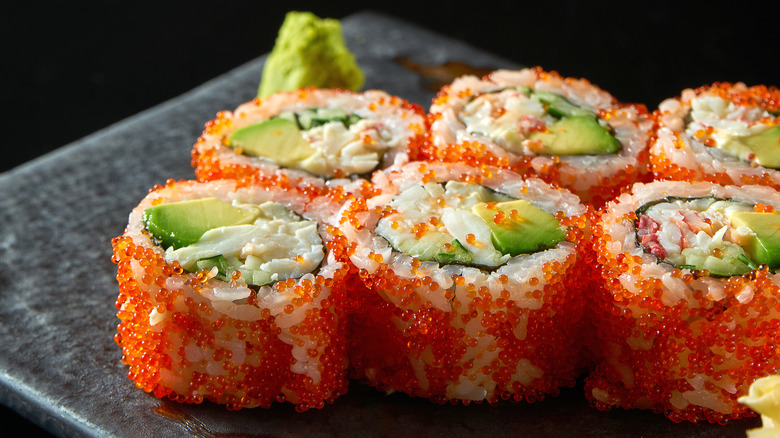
(59, 365)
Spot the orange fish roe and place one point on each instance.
(462, 335)
(213, 158)
(596, 179)
(674, 340)
(676, 155)
(283, 342)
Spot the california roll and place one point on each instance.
(566, 131)
(228, 294)
(475, 284)
(308, 137)
(688, 309)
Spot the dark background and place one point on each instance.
(70, 68)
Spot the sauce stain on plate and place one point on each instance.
(437, 76)
(196, 428)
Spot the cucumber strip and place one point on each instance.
(457, 254)
(314, 117)
(219, 261)
(749, 263)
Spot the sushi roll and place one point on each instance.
(566, 131)
(688, 307)
(228, 294)
(473, 284)
(308, 137)
(723, 133)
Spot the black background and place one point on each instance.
(70, 68)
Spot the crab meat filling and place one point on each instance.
(435, 222)
(507, 117)
(696, 234)
(353, 150)
(735, 132)
(278, 245)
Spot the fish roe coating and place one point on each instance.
(185, 337)
(594, 178)
(213, 159)
(677, 155)
(678, 341)
(459, 334)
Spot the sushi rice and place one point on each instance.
(696, 133)
(371, 258)
(673, 337)
(189, 335)
(492, 121)
(460, 332)
(376, 131)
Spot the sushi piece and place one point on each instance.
(566, 131)
(227, 294)
(688, 309)
(724, 133)
(307, 137)
(474, 284)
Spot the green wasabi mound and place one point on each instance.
(309, 52)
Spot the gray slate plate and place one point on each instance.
(59, 365)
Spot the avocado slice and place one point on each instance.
(576, 135)
(532, 230)
(277, 139)
(763, 247)
(560, 107)
(766, 146)
(179, 224)
(762, 148)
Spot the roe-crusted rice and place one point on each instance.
(690, 150)
(595, 178)
(387, 134)
(679, 340)
(192, 337)
(459, 333)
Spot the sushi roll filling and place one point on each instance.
(535, 122)
(734, 132)
(322, 141)
(467, 224)
(265, 243)
(698, 234)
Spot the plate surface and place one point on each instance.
(59, 365)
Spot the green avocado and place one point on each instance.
(532, 230)
(182, 223)
(763, 248)
(576, 135)
(277, 139)
(766, 146)
(560, 107)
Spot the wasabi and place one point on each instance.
(309, 52)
